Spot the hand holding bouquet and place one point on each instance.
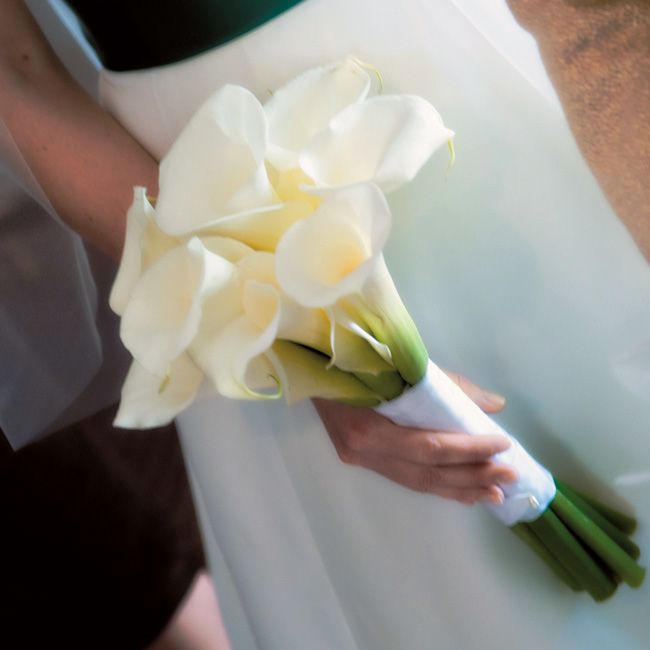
(260, 273)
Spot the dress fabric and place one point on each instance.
(518, 274)
(60, 351)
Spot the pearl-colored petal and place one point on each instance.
(164, 313)
(137, 219)
(152, 401)
(331, 253)
(305, 105)
(216, 166)
(226, 357)
(385, 140)
(260, 229)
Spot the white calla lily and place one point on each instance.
(216, 166)
(163, 315)
(331, 253)
(226, 357)
(152, 401)
(303, 107)
(384, 140)
(144, 243)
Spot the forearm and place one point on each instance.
(86, 163)
(597, 53)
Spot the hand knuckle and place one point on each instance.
(434, 448)
(346, 455)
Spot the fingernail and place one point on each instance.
(497, 497)
(493, 400)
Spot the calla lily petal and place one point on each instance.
(231, 249)
(305, 105)
(163, 315)
(331, 253)
(384, 140)
(304, 373)
(216, 166)
(226, 357)
(144, 243)
(137, 220)
(151, 401)
(260, 229)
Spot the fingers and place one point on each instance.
(363, 431)
(430, 448)
(451, 465)
(466, 483)
(488, 401)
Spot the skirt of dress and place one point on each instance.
(518, 274)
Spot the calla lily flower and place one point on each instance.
(216, 166)
(384, 140)
(152, 401)
(303, 107)
(333, 259)
(164, 312)
(331, 253)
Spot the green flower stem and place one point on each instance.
(607, 526)
(566, 549)
(528, 536)
(595, 539)
(623, 522)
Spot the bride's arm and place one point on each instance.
(597, 53)
(86, 163)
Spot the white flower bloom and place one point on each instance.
(331, 253)
(163, 314)
(384, 140)
(216, 166)
(304, 106)
(226, 356)
(152, 401)
(243, 319)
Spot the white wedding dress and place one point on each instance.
(519, 275)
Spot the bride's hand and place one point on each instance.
(449, 464)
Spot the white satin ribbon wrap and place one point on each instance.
(438, 403)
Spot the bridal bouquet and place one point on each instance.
(260, 273)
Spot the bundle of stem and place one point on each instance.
(585, 543)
